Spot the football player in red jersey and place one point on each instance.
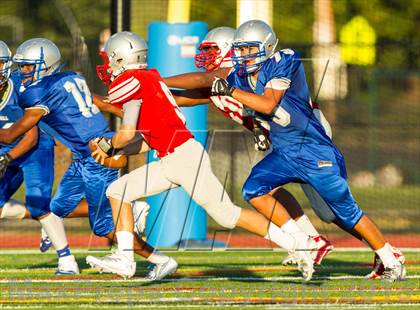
(149, 107)
(215, 51)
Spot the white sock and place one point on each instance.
(13, 209)
(125, 241)
(54, 227)
(387, 256)
(43, 233)
(306, 226)
(157, 257)
(286, 240)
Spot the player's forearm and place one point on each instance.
(258, 103)
(29, 140)
(195, 80)
(103, 104)
(9, 135)
(23, 125)
(190, 97)
(123, 137)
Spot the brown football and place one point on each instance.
(114, 162)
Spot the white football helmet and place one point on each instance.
(123, 50)
(253, 33)
(221, 38)
(6, 59)
(42, 53)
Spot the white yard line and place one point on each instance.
(186, 279)
(85, 251)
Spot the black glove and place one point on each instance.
(221, 87)
(262, 142)
(5, 161)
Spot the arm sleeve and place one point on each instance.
(32, 98)
(123, 91)
(284, 67)
(131, 110)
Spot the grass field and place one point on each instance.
(251, 279)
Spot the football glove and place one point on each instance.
(105, 145)
(5, 161)
(262, 142)
(221, 87)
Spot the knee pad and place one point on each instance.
(225, 214)
(116, 190)
(38, 206)
(12, 209)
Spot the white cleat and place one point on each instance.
(159, 271)
(323, 248)
(394, 273)
(67, 265)
(140, 212)
(304, 259)
(113, 263)
(290, 259)
(378, 266)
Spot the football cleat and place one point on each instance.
(140, 212)
(305, 261)
(290, 259)
(394, 273)
(113, 263)
(67, 265)
(323, 246)
(45, 244)
(378, 266)
(159, 271)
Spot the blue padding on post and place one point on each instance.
(171, 50)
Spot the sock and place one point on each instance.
(157, 257)
(64, 252)
(54, 227)
(282, 238)
(387, 256)
(125, 241)
(306, 226)
(13, 209)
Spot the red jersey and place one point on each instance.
(160, 121)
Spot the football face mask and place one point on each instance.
(247, 57)
(104, 70)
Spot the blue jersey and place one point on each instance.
(10, 112)
(44, 140)
(292, 122)
(70, 115)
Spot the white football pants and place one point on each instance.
(188, 166)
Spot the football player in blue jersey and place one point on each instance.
(28, 159)
(62, 101)
(272, 85)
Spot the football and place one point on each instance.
(114, 162)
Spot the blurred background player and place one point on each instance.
(62, 101)
(215, 54)
(29, 159)
(148, 107)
